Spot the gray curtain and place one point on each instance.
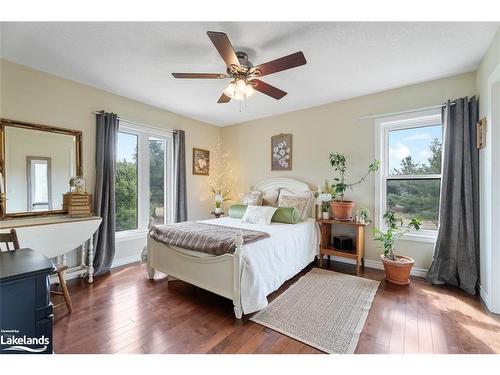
(180, 194)
(104, 192)
(456, 255)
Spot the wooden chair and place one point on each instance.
(11, 237)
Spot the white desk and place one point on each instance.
(54, 236)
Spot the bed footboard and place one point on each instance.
(220, 274)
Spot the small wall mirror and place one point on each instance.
(37, 162)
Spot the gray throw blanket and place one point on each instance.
(206, 238)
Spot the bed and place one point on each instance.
(254, 270)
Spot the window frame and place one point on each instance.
(383, 126)
(144, 134)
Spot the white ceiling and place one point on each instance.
(344, 60)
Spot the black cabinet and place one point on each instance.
(26, 317)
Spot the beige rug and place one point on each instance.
(324, 309)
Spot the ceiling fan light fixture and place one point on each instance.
(239, 89)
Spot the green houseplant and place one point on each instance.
(397, 267)
(342, 209)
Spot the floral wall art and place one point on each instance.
(201, 162)
(281, 152)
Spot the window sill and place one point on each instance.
(418, 237)
(130, 235)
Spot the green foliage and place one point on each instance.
(411, 197)
(340, 185)
(156, 176)
(126, 195)
(395, 230)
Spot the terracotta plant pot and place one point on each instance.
(342, 210)
(397, 272)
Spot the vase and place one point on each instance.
(398, 272)
(326, 215)
(218, 210)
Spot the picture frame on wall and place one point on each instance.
(481, 133)
(281, 152)
(201, 162)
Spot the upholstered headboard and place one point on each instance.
(290, 184)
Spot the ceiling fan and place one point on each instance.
(242, 72)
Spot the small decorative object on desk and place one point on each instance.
(324, 200)
(77, 203)
(77, 184)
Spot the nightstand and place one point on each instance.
(327, 248)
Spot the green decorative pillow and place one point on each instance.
(286, 215)
(236, 211)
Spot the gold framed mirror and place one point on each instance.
(36, 164)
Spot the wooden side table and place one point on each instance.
(217, 214)
(327, 248)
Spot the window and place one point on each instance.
(143, 178)
(39, 183)
(409, 180)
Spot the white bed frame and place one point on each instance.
(218, 274)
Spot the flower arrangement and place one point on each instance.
(324, 199)
(281, 152)
(220, 198)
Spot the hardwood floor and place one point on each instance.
(123, 312)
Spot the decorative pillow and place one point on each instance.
(270, 198)
(236, 211)
(252, 198)
(297, 202)
(310, 201)
(258, 215)
(286, 215)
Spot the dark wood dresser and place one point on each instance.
(26, 317)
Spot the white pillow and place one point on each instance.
(285, 193)
(258, 215)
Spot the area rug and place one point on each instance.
(323, 309)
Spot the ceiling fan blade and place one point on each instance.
(199, 75)
(283, 63)
(267, 89)
(224, 99)
(223, 45)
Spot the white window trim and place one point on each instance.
(143, 134)
(382, 128)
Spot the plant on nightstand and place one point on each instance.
(397, 267)
(324, 200)
(341, 209)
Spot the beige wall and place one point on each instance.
(34, 96)
(335, 127)
(488, 82)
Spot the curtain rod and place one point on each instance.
(403, 112)
(141, 124)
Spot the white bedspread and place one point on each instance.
(270, 262)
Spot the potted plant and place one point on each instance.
(220, 198)
(397, 267)
(342, 209)
(324, 200)
(363, 216)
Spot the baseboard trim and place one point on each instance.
(418, 272)
(117, 262)
(484, 296)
